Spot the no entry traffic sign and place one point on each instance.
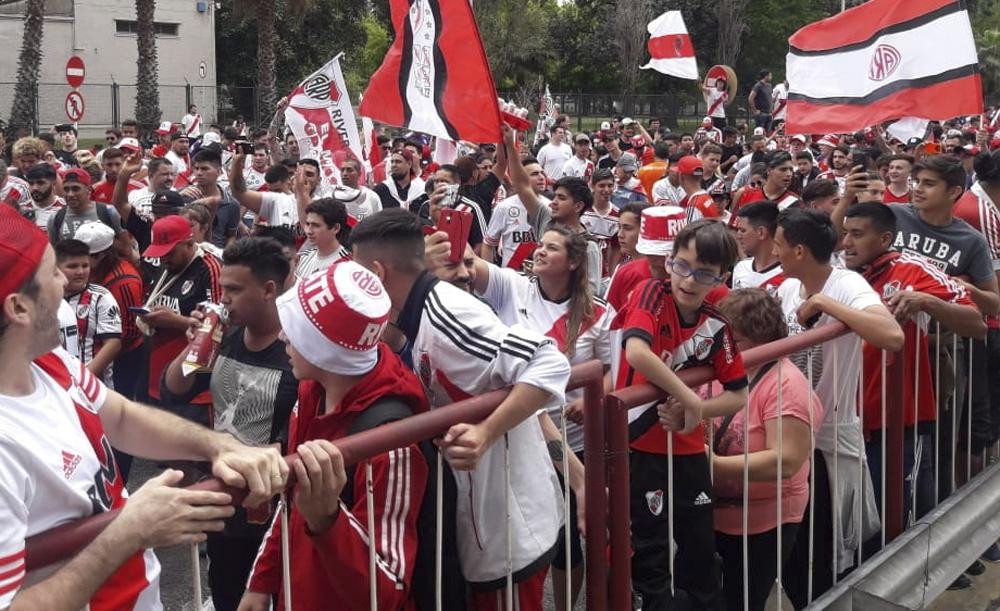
(75, 71)
(74, 106)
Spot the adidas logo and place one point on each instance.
(702, 499)
(70, 462)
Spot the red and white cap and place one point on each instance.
(658, 229)
(335, 318)
(831, 140)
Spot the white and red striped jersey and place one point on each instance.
(518, 299)
(977, 209)
(746, 277)
(32, 211)
(779, 101)
(56, 466)
(98, 319)
(510, 231)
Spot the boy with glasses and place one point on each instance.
(669, 327)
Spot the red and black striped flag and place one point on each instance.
(435, 78)
(883, 60)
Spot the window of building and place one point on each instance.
(52, 8)
(124, 26)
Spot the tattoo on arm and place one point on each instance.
(555, 447)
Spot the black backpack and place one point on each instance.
(390, 409)
(55, 230)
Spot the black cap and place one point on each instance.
(65, 127)
(167, 199)
(40, 171)
(178, 136)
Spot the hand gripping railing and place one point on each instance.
(619, 402)
(63, 542)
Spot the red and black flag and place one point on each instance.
(435, 78)
(881, 60)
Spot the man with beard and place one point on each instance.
(136, 207)
(840, 160)
(186, 277)
(178, 153)
(403, 186)
(254, 175)
(80, 209)
(44, 202)
(111, 163)
(359, 200)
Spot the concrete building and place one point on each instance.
(102, 33)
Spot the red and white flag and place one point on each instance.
(319, 113)
(545, 110)
(881, 60)
(435, 78)
(670, 48)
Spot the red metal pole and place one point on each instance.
(67, 540)
(894, 448)
(594, 419)
(620, 521)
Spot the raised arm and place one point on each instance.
(248, 199)
(119, 197)
(519, 176)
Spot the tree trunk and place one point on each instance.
(731, 27)
(629, 26)
(22, 113)
(147, 100)
(266, 95)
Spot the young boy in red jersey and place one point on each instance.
(670, 327)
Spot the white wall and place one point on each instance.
(111, 57)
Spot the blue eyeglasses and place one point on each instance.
(701, 276)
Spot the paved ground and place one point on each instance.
(984, 595)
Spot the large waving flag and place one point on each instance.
(435, 78)
(883, 60)
(545, 110)
(670, 48)
(320, 115)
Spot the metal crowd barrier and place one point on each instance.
(608, 543)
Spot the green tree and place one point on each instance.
(29, 61)
(515, 36)
(360, 68)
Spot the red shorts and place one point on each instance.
(527, 595)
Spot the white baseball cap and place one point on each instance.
(96, 235)
(335, 318)
(211, 137)
(130, 144)
(658, 228)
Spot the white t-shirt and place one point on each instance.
(836, 369)
(518, 300)
(779, 95)
(580, 168)
(180, 164)
(253, 179)
(51, 474)
(510, 230)
(365, 203)
(278, 210)
(142, 202)
(719, 111)
(192, 125)
(311, 262)
(666, 194)
(745, 276)
(553, 157)
(42, 215)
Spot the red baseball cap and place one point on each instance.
(167, 233)
(77, 175)
(22, 246)
(690, 166)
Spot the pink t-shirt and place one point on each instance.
(762, 515)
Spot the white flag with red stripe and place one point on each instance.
(320, 115)
(435, 78)
(881, 60)
(670, 48)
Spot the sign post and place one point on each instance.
(75, 71)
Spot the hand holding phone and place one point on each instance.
(138, 310)
(458, 225)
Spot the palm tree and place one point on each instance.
(266, 89)
(22, 113)
(147, 99)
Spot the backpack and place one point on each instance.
(387, 410)
(55, 230)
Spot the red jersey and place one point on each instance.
(889, 274)
(891, 198)
(699, 205)
(756, 194)
(125, 284)
(333, 567)
(977, 209)
(653, 317)
(103, 190)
